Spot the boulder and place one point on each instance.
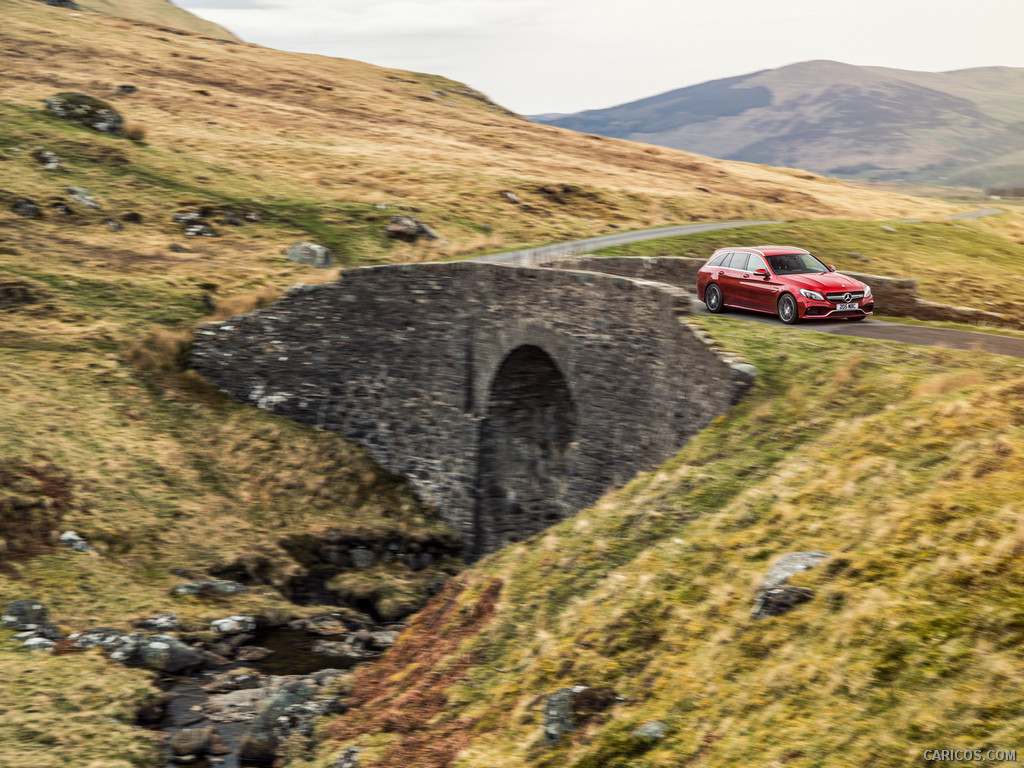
(239, 679)
(260, 742)
(568, 708)
(362, 558)
(409, 229)
(773, 598)
(200, 230)
(252, 653)
(23, 615)
(789, 565)
(86, 110)
(510, 196)
(98, 637)
(162, 653)
(191, 741)
(49, 160)
(779, 600)
(39, 644)
(349, 758)
(164, 622)
(310, 253)
(653, 731)
(233, 625)
(83, 196)
(26, 208)
(74, 541)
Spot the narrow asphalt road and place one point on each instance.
(529, 257)
(870, 328)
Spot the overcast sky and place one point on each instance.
(536, 56)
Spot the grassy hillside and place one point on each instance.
(903, 463)
(965, 263)
(960, 127)
(161, 12)
(103, 432)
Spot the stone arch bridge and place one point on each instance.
(509, 397)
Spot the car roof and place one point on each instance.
(766, 250)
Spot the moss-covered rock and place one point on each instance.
(86, 110)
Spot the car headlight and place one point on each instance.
(867, 291)
(811, 295)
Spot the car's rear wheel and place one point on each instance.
(713, 298)
(787, 309)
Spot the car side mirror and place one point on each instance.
(831, 268)
(762, 272)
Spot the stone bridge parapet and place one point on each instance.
(509, 397)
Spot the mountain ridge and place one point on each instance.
(959, 127)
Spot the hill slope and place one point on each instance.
(902, 463)
(961, 127)
(157, 12)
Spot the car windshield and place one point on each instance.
(795, 264)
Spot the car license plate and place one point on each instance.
(844, 307)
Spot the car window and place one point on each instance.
(755, 263)
(795, 264)
(738, 260)
(717, 261)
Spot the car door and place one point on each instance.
(729, 280)
(758, 292)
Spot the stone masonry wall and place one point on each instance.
(403, 360)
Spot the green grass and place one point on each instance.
(905, 463)
(969, 263)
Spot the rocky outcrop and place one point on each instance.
(83, 109)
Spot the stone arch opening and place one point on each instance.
(525, 450)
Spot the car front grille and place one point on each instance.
(841, 297)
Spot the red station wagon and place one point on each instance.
(781, 280)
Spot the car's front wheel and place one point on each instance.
(787, 309)
(713, 298)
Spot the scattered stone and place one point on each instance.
(49, 160)
(209, 587)
(39, 644)
(175, 248)
(23, 615)
(653, 731)
(327, 625)
(509, 195)
(349, 758)
(408, 229)
(70, 4)
(86, 110)
(780, 600)
(164, 622)
(98, 637)
(310, 253)
(232, 218)
(62, 208)
(187, 217)
(251, 216)
(113, 225)
(132, 217)
(233, 625)
(201, 230)
(83, 196)
(382, 206)
(887, 228)
(126, 89)
(75, 542)
(22, 206)
(705, 190)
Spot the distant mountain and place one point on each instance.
(963, 127)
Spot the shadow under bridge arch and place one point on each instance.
(526, 450)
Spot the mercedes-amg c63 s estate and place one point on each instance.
(781, 280)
